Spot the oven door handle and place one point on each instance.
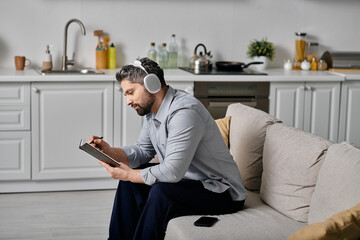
(250, 103)
(219, 104)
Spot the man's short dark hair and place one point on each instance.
(136, 74)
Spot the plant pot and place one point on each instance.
(261, 67)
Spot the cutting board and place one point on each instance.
(343, 70)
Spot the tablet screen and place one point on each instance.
(96, 153)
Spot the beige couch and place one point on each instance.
(294, 179)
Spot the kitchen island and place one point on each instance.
(43, 118)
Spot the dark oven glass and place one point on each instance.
(217, 96)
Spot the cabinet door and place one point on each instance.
(322, 105)
(185, 86)
(15, 155)
(127, 123)
(349, 129)
(62, 114)
(287, 102)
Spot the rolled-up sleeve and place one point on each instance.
(185, 128)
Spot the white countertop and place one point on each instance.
(274, 75)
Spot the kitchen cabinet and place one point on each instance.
(62, 114)
(311, 106)
(349, 129)
(127, 123)
(15, 131)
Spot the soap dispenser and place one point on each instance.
(47, 62)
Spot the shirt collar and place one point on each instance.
(165, 105)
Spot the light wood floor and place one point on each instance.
(56, 215)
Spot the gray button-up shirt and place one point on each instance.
(188, 144)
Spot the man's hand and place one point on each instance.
(123, 173)
(100, 144)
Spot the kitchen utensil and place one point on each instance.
(201, 62)
(98, 33)
(233, 66)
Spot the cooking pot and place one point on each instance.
(233, 66)
(201, 62)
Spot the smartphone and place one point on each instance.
(205, 221)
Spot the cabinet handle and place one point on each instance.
(119, 89)
(36, 90)
(308, 88)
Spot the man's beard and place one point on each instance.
(143, 110)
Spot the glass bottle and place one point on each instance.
(300, 45)
(173, 53)
(322, 65)
(152, 52)
(313, 64)
(163, 56)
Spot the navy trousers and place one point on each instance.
(143, 212)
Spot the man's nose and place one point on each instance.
(129, 100)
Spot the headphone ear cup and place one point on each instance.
(152, 83)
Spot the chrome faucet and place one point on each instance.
(65, 61)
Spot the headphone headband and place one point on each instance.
(138, 64)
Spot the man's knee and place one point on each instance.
(161, 192)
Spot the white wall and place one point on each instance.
(224, 26)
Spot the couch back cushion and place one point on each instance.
(338, 184)
(291, 161)
(246, 139)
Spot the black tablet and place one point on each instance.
(96, 153)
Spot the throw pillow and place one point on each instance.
(291, 161)
(343, 225)
(224, 127)
(338, 184)
(246, 138)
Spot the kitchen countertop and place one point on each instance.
(274, 75)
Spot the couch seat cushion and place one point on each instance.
(292, 159)
(256, 221)
(247, 135)
(338, 184)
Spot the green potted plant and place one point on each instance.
(262, 51)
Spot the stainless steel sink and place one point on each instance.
(71, 72)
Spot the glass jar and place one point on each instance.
(300, 45)
(312, 51)
(322, 65)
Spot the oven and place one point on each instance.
(217, 96)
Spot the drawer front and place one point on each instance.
(15, 155)
(14, 118)
(14, 94)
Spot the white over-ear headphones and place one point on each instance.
(151, 81)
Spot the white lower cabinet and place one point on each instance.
(349, 129)
(62, 114)
(15, 160)
(15, 155)
(312, 106)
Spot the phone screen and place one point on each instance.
(205, 221)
